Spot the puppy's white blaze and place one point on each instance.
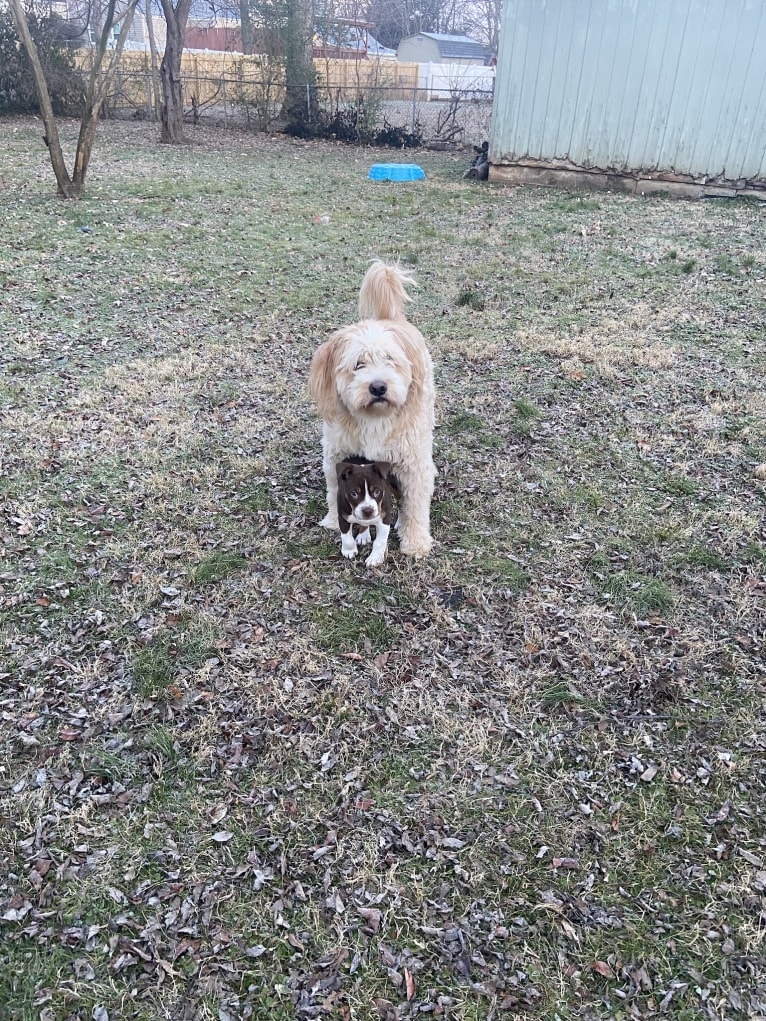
(367, 504)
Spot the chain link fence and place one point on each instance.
(368, 109)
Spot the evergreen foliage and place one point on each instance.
(17, 86)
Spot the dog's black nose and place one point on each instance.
(368, 512)
(378, 389)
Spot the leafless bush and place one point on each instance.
(260, 97)
(358, 111)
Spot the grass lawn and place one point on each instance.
(242, 778)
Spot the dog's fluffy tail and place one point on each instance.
(383, 294)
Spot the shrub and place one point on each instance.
(260, 90)
(357, 120)
(17, 86)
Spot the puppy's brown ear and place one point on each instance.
(343, 470)
(382, 468)
(322, 374)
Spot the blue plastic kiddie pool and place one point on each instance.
(396, 172)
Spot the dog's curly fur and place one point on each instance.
(373, 385)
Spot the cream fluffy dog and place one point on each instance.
(373, 384)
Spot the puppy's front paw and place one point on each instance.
(363, 538)
(329, 521)
(347, 545)
(375, 559)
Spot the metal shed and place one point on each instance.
(438, 48)
(635, 94)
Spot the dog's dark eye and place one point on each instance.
(376, 494)
(354, 494)
(359, 365)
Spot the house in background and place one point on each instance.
(77, 23)
(213, 27)
(636, 96)
(436, 48)
(217, 27)
(210, 26)
(349, 39)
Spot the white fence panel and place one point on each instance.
(440, 81)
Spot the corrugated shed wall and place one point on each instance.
(633, 87)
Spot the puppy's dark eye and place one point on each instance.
(376, 494)
(354, 494)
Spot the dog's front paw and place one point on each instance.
(363, 538)
(417, 545)
(375, 559)
(330, 520)
(347, 545)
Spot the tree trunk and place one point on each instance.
(301, 103)
(85, 140)
(172, 111)
(156, 102)
(246, 26)
(66, 187)
(98, 86)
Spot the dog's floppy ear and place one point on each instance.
(414, 348)
(343, 470)
(382, 468)
(322, 373)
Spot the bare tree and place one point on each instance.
(301, 101)
(396, 19)
(172, 110)
(156, 102)
(99, 81)
(285, 31)
(246, 26)
(481, 20)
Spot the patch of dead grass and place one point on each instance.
(608, 349)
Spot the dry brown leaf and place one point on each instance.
(372, 917)
(409, 984)
(602, 968)
(565, 863)
(386, 1010)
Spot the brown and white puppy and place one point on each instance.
(373, 384)
(365, 492)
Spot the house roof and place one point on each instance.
(454, 45)
(377, 49)
(211, 12)
(208, 11)
(353, 38)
